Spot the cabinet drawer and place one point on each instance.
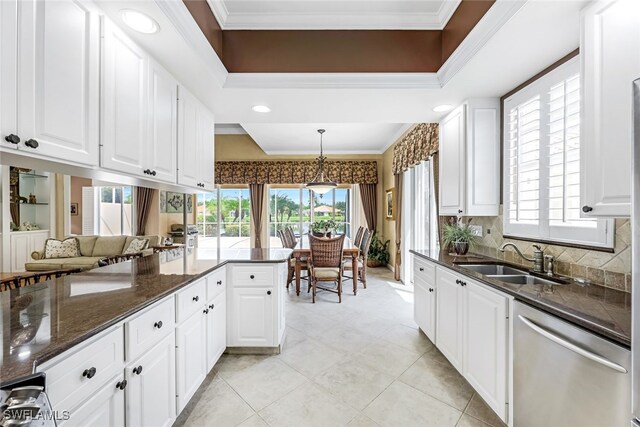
(252, 276)
(149, 328)
(189, 300)
(216, 283)
(425, 271)
(77, 376)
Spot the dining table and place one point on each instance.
(302, 251)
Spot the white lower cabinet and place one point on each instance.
(424, 294)
(23, 243)
(151, 388)
(253, 313)
(216, 329)
(191, 356)
(471, 324)
(105, 407)
(449, 316)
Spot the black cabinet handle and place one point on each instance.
(421, 269)
(219, 282)
(430, 289)
(146, 171)
(137, 370)
(459, 210)
(153, 173)
(32, 143)
(211, 306)
(205, 311)
(89, 373)
(268, 292)
(158, 324)
(252, 277)
(121, 384)
(457, 281)
(463, 283)
(12, 139)
(586, 209)
(196, 298)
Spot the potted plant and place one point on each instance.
(378, 252)
(323, 227)
(459, 236)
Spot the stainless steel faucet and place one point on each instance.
(537, 260)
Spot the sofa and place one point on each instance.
(92, 250)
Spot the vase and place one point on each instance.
(461, 248)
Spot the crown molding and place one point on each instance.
(179, 15)
(332, 81)
(333, 21)
(229, 129)
(326, 152)
(401, 132)
(498, 15)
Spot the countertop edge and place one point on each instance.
(576, 320)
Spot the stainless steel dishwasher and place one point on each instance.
(564, 375)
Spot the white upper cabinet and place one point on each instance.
(163, 124)
(470, 159)
(124, 102)
(610, 55)
(54, 90)
(195, 142)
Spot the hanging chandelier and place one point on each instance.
(320, 184)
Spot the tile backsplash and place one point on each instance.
(612, 270)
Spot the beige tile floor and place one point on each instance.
(360, 363)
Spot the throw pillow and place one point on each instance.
(136, 246)
(67, 248)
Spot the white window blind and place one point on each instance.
(542, 162)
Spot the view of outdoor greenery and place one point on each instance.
(234, 222)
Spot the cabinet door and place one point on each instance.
(188, 131)
(151, 391)
(452, 162)
(20, 245)
(105, 408)
(485, 345)
(610, 59)
(206, 157)
(58, 88)
(252, 317)
(216, 329)
(420, 304)
(449, 312)
(163, 123)
(8, 79)
(37, 241)
(124, 103)
(191, 357)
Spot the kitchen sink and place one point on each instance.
(523, 279)
(492, 269)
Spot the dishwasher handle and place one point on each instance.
(570, 346)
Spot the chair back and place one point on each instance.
(358, 238)
(326, 252)
(281, 237)
(291, 237)
(365, 243)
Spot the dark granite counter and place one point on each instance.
(604, 311)
(41, 321)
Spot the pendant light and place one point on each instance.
(320, 184)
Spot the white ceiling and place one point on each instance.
(539, 34)
(303, 138)
(332, 14)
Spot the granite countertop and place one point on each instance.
(41, 321)
(604, 311)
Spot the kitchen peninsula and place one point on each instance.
(154, 324)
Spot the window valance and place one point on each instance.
(418, 145)
(294, 172)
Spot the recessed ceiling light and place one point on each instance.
(261, 109)
(139, 21)
(442, 108)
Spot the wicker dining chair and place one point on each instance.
(287, 243)
(291, 236)
(365, 242)
(325, 263)
(358, 238)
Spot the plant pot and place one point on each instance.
(315, 234)
(461, 248)
(373, 263)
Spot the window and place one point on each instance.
(299, 207)
(224, 219)
(107, 210)
(542, 163)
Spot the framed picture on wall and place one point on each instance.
(389, 198)
(175, 202)
(74, 209)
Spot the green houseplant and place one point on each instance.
(323, 227)
(378, 252)
(459, 236)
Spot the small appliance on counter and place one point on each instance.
(189, 239)
(24, 403)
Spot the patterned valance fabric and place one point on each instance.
(419, 144)
(295, 172)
